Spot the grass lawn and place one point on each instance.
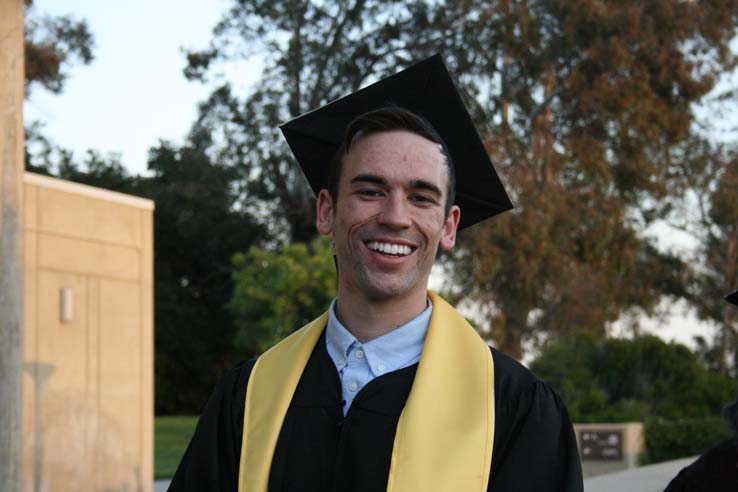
(171, 436)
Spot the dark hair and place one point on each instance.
(387, 119)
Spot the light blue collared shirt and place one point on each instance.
(358, 363)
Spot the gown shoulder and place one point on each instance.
(212, 457)
(533, 431)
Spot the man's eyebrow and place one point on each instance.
(368, 178)
(420, 184)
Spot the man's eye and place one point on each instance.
(369, 193)
(422, 199)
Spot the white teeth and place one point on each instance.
(390, 249)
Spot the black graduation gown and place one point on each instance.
(320, 450)
(714, 471)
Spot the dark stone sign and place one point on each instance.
(601, 445)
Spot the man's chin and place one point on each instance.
(385, 291)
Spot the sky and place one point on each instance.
(134, 94)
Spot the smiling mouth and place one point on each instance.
(389, 248)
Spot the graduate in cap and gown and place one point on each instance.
(391, 389)
(717, 469)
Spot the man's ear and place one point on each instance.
(324, 217)
(448, 237)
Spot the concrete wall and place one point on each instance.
(88, 383)
(631, 446)
(11, 243)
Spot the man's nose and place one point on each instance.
(395, 212)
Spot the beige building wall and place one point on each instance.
(88, 348)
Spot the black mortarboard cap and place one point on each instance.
(425, 89)
(732, 298)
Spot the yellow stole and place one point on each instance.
(445, 432)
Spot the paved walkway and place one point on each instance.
(652, 478)
(161, 485)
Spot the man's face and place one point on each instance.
(390, 218)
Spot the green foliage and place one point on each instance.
(198, 228)
(277, 293)
(621, 380)
(171, 436)
(668, 440)
(569, 366)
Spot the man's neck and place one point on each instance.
(367, 319)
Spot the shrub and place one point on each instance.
(672, 439)
(625, 380)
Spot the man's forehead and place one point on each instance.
(397, 154)
(398, 142)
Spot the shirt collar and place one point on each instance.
(394, 350)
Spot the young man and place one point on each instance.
(391, 389)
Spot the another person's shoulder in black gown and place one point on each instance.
(715, 471)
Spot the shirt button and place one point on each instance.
(380, 368)
(353, 386)
(359, 354)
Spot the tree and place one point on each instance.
(278, 292)
(619, 380)
(709, 178)
(198, 229)
(583, 105)
(594, 104)
(52, 44)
